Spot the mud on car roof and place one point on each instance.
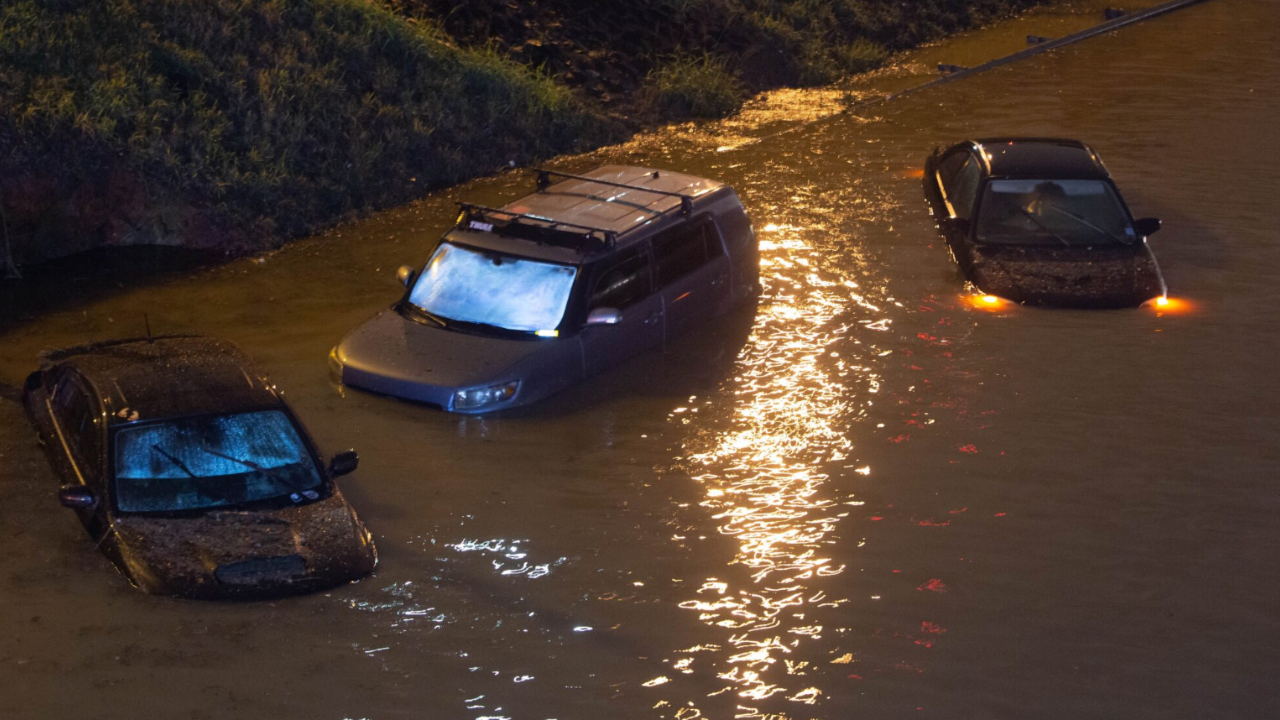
(167, 375)
(589, 214)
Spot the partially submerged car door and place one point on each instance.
(624, 283)
(78, 417)
(693, 273)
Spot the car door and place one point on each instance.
(80, 428)
(692, 272)
(624, 283)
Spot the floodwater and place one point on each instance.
(865, 497)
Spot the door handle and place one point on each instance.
(653, 317)
(719, 280)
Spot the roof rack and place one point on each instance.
(544, 181)
(479, 217)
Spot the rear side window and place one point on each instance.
(624, 283)
(948, 168)
(71, 404)
(74, 410)
(737, 232)
(682, 250)
(961, 176)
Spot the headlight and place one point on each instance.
(335, 366)
(474, 398)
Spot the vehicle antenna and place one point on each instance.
(147, 320)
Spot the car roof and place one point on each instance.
(602, 206)
(168, 376)
(1041, 158)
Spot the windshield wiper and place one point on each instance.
(247, 463)
(418, 312)
(1040, 225)
(1086, 223)
(466, 325)
(174, 460)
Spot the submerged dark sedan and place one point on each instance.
(1039, 221)
(191, 473)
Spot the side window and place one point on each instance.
(948, 168)
(961, 176)
(624, 283)
(966, 193)
(73, 409)
(737, 232)
(684, 249)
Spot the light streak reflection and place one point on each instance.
(796, 388)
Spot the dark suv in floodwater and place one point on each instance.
(519, 302)
(1039, 221)
(191, 473)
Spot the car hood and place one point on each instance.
(245, 553)
(1068, 277)
(398, 356)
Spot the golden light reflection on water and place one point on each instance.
(763, 117)
(766, 478)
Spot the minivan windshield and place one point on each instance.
(503, 291)
(211, 461)
(1064, 213)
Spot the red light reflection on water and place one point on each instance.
(934, 585)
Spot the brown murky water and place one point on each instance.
(864, 498)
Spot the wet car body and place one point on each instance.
(84, 402)
(1116, 270)
(652, 254)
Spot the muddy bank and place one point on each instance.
(235, 126)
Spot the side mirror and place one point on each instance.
(604, 316)
(405, 275)
(76, 497)
(343, 463)
(1146, 226)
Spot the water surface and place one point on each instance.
(865, 497)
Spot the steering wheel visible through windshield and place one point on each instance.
(1065, 213)
(466, 285)
(212, 461)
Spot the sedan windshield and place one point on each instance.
(1065, 213)
(467, 285)
(212, 461)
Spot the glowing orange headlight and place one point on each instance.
(1165, 304)
(986, 302)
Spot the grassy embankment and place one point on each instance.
(237, 124)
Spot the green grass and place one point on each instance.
(237, 124)
(762, 43)
(272, 118)
(693, 87)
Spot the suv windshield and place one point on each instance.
(1053, 212)
(212, 461)
(466, 285)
